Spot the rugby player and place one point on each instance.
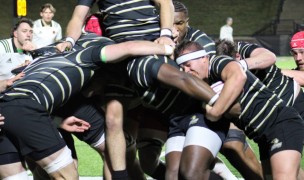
(297, 51)
(264, 117)
(49, 83)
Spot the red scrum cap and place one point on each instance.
(297, 40)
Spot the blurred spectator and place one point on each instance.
(13, 52)
(226, 32)
(46, 30)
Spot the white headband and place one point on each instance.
(193, 55)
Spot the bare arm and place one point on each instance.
(260, 58)
(121, 51)
(166, 13)
(74, 26)
(297, 75)
(187, 83)
(166, 19)
(234, 78)
(4, 84)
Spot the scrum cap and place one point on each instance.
(297, 41)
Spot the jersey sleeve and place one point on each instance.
(203, 39)
(245, 49)
(90, 55)
(217, 64)
(88, 3)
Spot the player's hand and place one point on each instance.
(26, 62)
(10, 82)
(28, 46)
(165, 40)
(211, 115)
(73, 124)
(64, 46)
(1, 119)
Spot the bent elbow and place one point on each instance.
(272, 58)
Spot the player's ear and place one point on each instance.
(237, 56)
(187, 22)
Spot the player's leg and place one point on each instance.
(115, 140)
(59, 165)
(283, 145)
(13, 171)
(45, 147)
(133, 165)
(10, 161)
(38, 172)
(240, 155)
(222, 170)
(152, 134)
(174, 147)
(198, 156)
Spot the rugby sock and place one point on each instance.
(222, 170)
(159, 172)
(120, 175)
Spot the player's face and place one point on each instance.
(229, 22)
(298, 55)
(181, 24)
(47, 15)
(197, 67)
(23, 33)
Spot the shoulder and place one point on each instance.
(56, 24)
(88, 3)
(221, 59)
(37, 23)
(6, 46)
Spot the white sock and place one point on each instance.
(222, 170)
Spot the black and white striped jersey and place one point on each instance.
(259, 104)
(202, 38)
(128, 19)
(272, 77)
(52, 80)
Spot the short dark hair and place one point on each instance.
(187, 45)
(22, 20)
(180, 7)
(224, 47)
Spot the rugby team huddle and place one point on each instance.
(152, 80)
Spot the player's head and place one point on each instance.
(47, 12)
(22, 31)
(181, 19)
(193, 58)
(228, 48)
(297, 49)
(229, 21)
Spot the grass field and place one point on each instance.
(90, 163)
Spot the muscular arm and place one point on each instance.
(74, 26)
(166, 13)
(121, 51)
(187, 83)
(297, 75)
(260, 58)
(234, 78)
(166, 19)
